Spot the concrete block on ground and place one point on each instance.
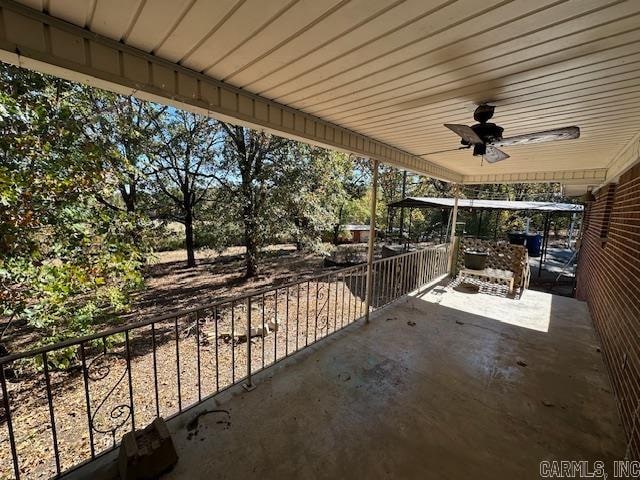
(146, 454)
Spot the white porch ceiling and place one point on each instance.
(395, 71)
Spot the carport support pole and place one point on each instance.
(545, 234)
(372, 238)
(454, 219)
(446, 232)
(571, 225)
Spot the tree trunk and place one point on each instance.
(336, 228)
(129, 199)
(298, 237)
(128, 194)
(250, 232)
(391, 220)
(130, 202)
(251, 256)
(188, 239)
(404, 192)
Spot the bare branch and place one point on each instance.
(107, 204)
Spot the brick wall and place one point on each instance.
(609, 280)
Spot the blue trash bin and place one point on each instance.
(534, 244)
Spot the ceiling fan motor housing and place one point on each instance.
(488, 132)
(483, 113)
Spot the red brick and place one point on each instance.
(609, 280)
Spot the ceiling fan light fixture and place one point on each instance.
(479, 149)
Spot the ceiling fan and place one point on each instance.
(485, 137)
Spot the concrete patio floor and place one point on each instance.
(480, 387)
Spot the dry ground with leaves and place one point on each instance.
(289, 320)
(171, 286)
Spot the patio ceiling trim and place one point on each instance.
(594, 177)
(627, 157)
(34, 40)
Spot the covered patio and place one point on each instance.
(439, 386)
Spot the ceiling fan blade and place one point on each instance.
(566, 133)
(493, 154)
(465, 132)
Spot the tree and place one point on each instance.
(247, 167)
(353, 176)
(308, 187)
(182, 168)
(65, 259)
(123, 127)
(390, 181)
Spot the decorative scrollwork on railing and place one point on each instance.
(99, 368)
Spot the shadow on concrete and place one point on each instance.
(445, 385)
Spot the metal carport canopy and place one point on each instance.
(427, 202)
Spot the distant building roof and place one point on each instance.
(423, 202)
(354, 227)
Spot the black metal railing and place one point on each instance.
(54, 419)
